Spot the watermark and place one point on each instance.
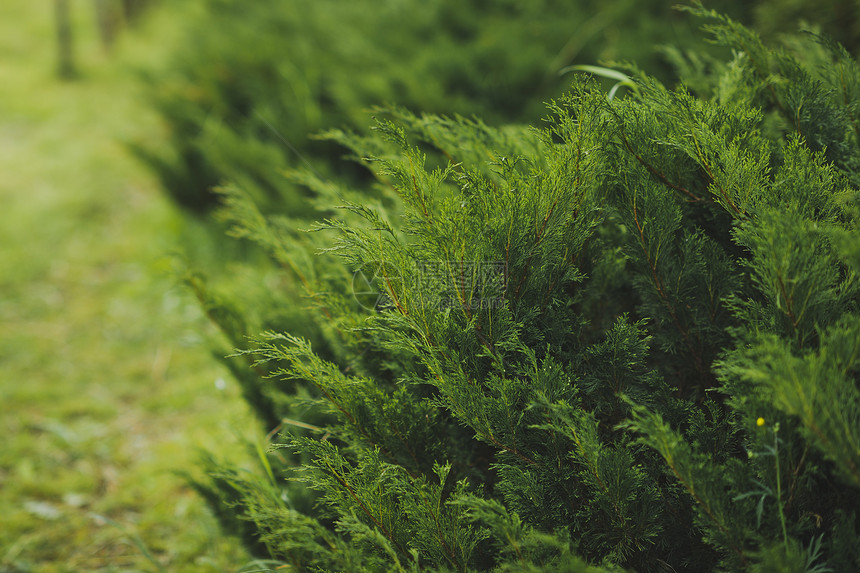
(370, 284)
(467, 285)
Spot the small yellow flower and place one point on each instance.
(759, 422)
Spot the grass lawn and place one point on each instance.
(107, 384)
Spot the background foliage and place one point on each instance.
(251, 85)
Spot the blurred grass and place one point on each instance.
(106, 383)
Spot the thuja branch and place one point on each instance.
(417, 190)
(853, 468)
(307, 375)
(846, 101)
(388, 534)
(510, 449)
(434, 510)
(538, 238)
(692, 197)
(658, 284)
(592, 466)
(409, 449)
(707, 167)
(789, 302)
(707, 509)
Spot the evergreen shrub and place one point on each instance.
(626, 340)
(254, 79)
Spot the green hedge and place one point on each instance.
(629, 339)
(255, 81)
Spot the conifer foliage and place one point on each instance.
(252, 79)
(627, 340)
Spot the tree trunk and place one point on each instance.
(65, 62)
(131, 9)
(108, 17)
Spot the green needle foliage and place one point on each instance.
(627, 340)
(253, 79)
